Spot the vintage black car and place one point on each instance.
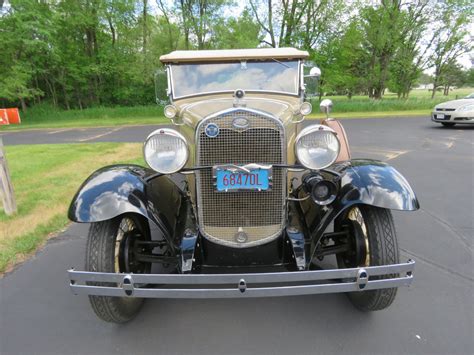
(241, 198)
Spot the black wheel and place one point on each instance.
(448, 124)
(110, 249)
(374, 242)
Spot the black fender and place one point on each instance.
(367, 182)
(118, 189)
(377, 184)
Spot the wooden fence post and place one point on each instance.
(6, 187)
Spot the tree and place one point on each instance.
(450, 38)
(452, 76)
(198, 17)
(241, 32)
(470, 78)
(299, 23)
(342, 60)
(381, 28)
(410, 57)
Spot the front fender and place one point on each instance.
(118, 189)
(367, 182)
(377, 184)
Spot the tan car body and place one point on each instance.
(192, 110)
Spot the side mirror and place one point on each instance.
(326, 106)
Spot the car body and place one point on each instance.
(241, 199)
(455, 112)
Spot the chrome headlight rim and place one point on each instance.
(172, 133)
(314, 129)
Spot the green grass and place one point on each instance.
(45, 178)
(419, 103)
(45, 116)
(369, 114)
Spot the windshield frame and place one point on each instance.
(295, 94)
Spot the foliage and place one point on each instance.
(451, 37)
(81, 54)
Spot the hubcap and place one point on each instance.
(124, 260)
(360, 256)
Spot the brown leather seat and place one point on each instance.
(345, 153)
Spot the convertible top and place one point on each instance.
(233, 54)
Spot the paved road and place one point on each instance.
(434, 316)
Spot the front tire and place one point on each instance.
(108, 249)
(448, 124)
(373, 235)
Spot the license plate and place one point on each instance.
(231, 180)
(440, 116)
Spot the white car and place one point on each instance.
(456, 111)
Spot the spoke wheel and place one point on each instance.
(373, 242)
(110, 249)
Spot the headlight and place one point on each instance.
(170, 111)
(466, 108)
(317, 147)
(166, 151)
(306, 108)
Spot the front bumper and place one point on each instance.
(452, 117)
(241, 285)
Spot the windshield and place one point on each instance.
(471, 96)
(194, 79)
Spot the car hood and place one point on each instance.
(455, 103)
(196, 111)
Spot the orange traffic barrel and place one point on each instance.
(9, 116)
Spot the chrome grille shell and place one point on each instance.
(259, 214)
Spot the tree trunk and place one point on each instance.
(270, 24)
(435, 86)
(66, 99)
(112, 30)
(200, 34)
(52, 91)
(23, 104)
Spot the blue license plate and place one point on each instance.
(228, 180)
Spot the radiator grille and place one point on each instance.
(258, 214)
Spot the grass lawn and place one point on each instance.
(43, 116)
(419, 103)
(45, 178)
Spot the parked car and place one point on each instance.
(241, 199)
(455, 112)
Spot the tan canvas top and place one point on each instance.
(237, 54)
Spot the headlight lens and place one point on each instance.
(466, 108)
(166, 151)
(317, 147)
(306, 108)
(170, 111)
